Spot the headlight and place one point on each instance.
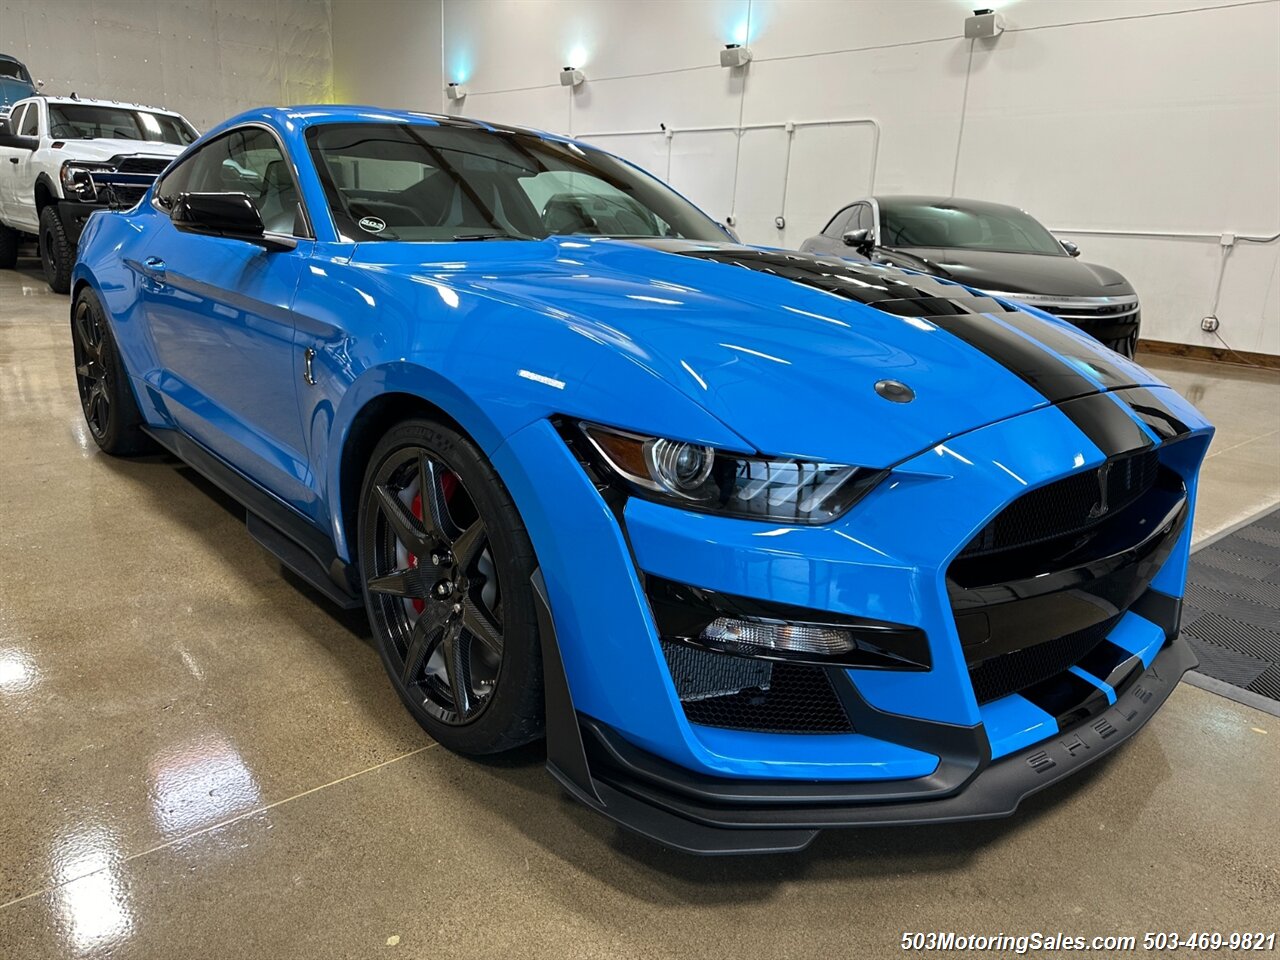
(77, 179)
(698, 477)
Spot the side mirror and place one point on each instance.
(861, 240)
(231, 215)
(1071, 248)
(9, 138)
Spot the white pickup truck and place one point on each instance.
(62, 158)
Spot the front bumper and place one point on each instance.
(620, 735)
(707, 815)
(74, 215)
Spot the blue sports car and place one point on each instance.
(762, 542)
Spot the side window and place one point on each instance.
(175, 182)
(245, 161)
(30, 125)
(15, 118)
(834, 227)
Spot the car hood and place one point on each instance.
(1013, 272)
(104, 148)
(777, 345)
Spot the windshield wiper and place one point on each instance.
(491, 236)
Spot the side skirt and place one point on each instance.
(294, 541)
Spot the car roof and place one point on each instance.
(306, 115)
(89, 102)
(958, 203)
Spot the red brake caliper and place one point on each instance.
(448, 484)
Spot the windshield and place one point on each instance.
(82, 121)
(12, 70)
(400, 181)
(942, 224)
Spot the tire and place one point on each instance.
(106, 396)
(8, 247)
(57, 253)
(449, 597)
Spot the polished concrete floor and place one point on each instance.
(198, 758)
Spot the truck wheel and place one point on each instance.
(8, 247)
(56, 252)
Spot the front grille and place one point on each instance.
(1100, 311)
(741, 693)
(1068, 506)
(122, 196)
(141, 165)
(1012, 672)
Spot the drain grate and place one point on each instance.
(1232, 611)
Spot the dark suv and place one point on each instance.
(991, 246)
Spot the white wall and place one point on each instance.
(1125, 115)
(388, 54)
(207, 59)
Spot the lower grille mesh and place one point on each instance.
(740, 693)
(1011, 672)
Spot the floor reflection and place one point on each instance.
(199, 784)
(91, 903)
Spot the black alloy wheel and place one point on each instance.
(110, 409)
(446, 563)
(93, 373)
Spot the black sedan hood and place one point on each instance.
(1012, 272)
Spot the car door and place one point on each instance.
(17, 190)
(829, 241)
(219, 314)
(24, 193)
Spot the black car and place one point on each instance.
(993, 247)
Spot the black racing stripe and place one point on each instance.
(1068, 698)
(1055, 380)
(1109, 663)
(1106, 424)
(1154, 412)
(1061, 342)
(950, 306)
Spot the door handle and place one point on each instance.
(154, 265)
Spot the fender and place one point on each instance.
(376, 382)
(54, 191)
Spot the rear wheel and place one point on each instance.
(57, 253)
(8, 247)
(106, 397)
(446, 563)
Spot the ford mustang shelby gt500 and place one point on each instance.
(764, 542)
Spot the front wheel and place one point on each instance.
(446, 562)
(110, 409)
(57, 253)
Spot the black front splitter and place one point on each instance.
(706, 815)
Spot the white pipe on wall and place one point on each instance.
(789, 126)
